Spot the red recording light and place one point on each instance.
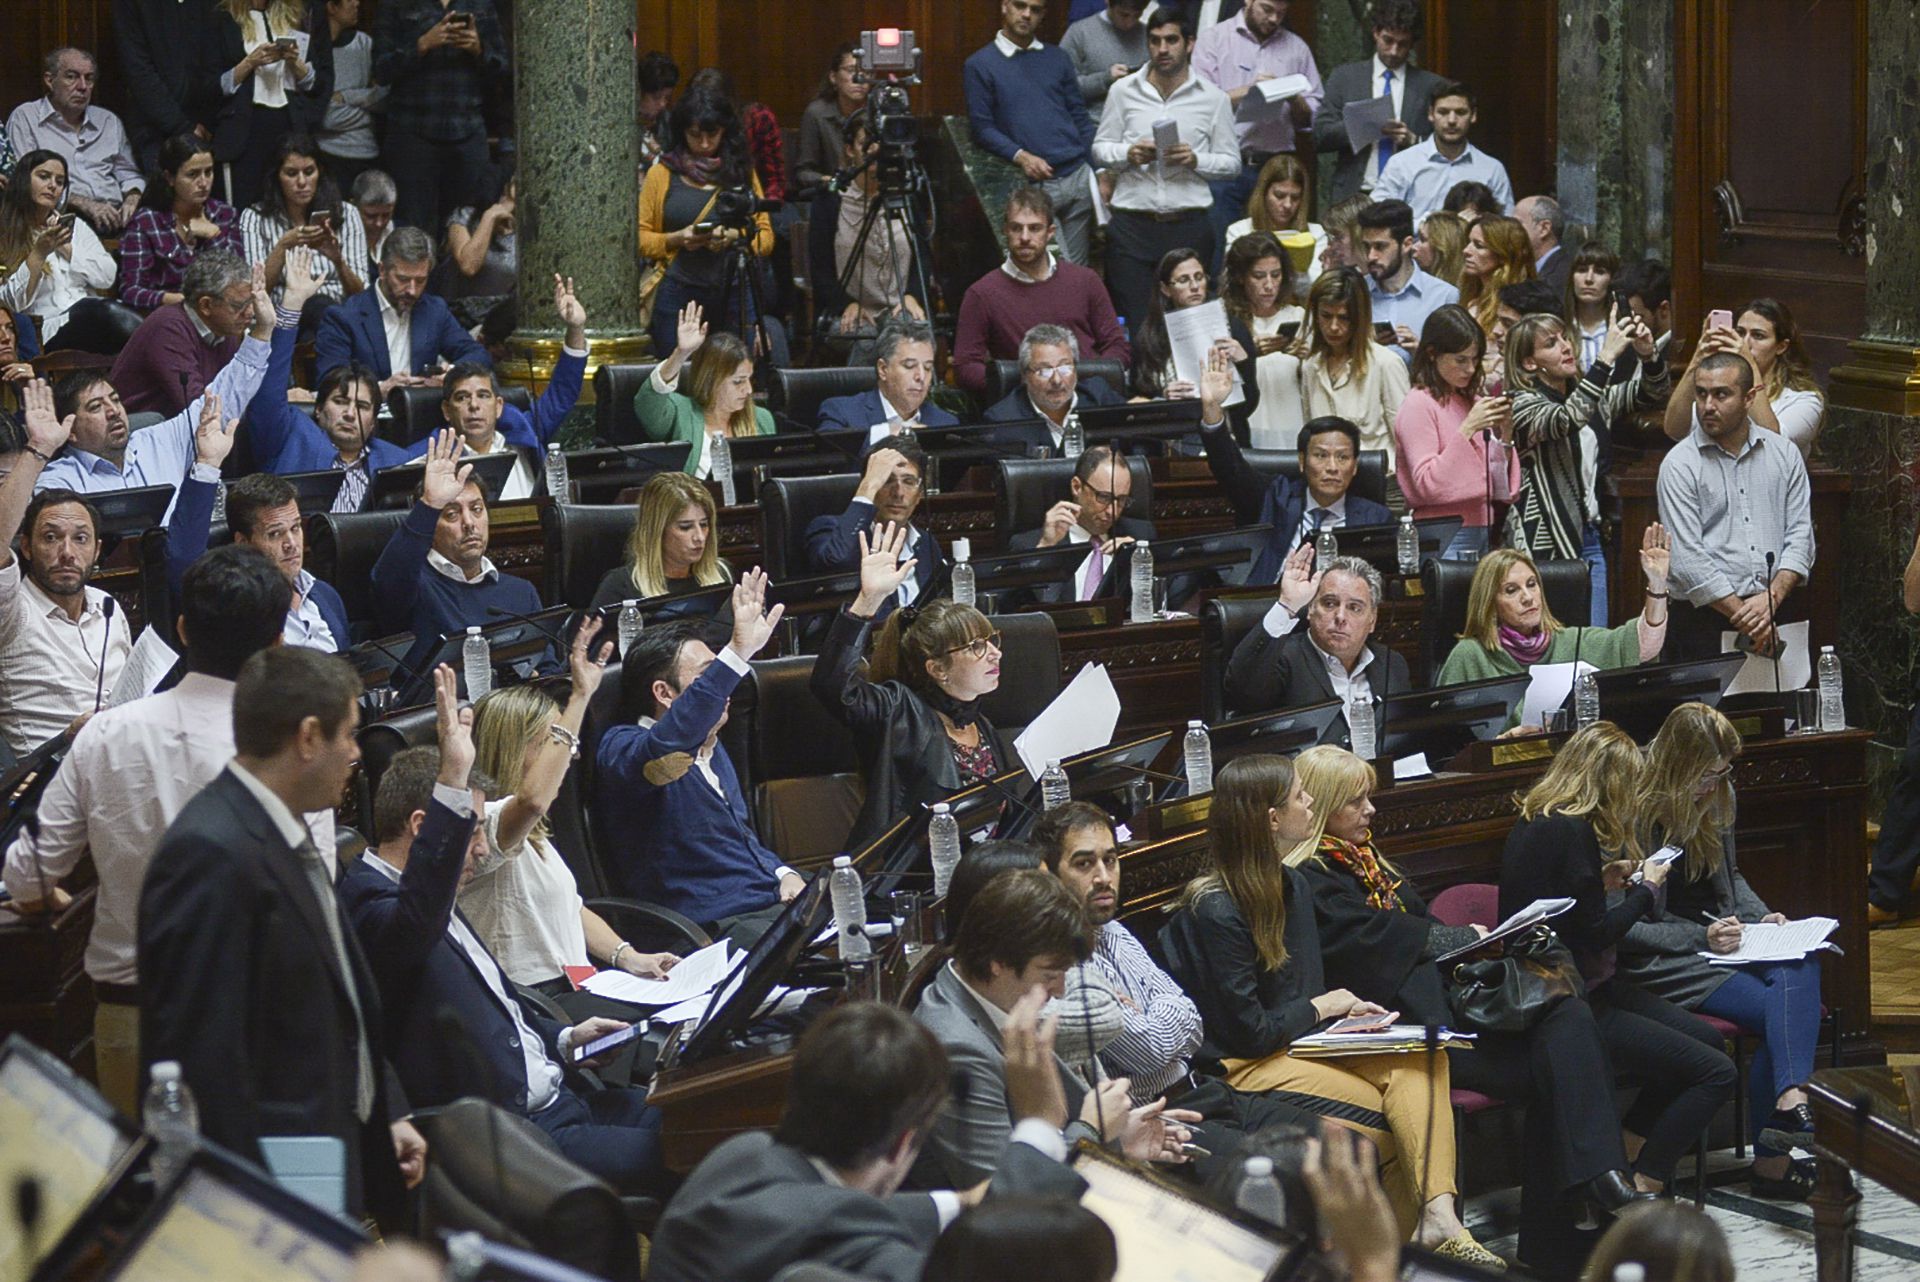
(887, 37)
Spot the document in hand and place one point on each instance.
(1756, 674)
(694, 976)
(1191, 333)
(1365, 119)
(1268, 98)
(1080, 719)
(1532, 915)
(1762, 941)
(1166, 136)
(147, 664)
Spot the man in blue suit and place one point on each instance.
(450, 1014)
(396, 329)
(889, 493)
(903, 360)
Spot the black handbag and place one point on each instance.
(1509, 993)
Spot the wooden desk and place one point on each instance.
(48, 997)
(1878, 1141)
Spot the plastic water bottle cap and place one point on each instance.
(841, 861)
(1826, 649)
(1141, 543)
(1257, 1168)
(1196, 725)
(941, 808)
(474, 631)
(1630, 1271)
(1053, 764)
(167, 1070)
(962, 550)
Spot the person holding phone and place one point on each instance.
(1766, 335)
(270, 66)
(59, 265)
(301, 209)
(1348, 372)
(1257, 286)
(441, 59)
(1455, 440)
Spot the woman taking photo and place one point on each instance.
(1182, 280)
(706, 154)
(1688, 802)
(271, 70)
(1497, 254)
(1454, 442)
(178, 217)
(675, 547)
(522, 898)
(301, 208)
(1790, 402)
(1346, 373)
(1244, 945)
(1282, 195)
(1440, 244)
(916, 719)
(52, 265)
(718, 397)
(1257, 288)
(1576, 838)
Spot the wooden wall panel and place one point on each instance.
(1507, 54)
(33, 27)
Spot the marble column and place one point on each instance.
(575, 93)
(1615, 115)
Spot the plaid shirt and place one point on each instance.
(767, 147)
(154, 259)
(441, 96)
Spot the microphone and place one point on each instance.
(1772, 631)
(107, 604)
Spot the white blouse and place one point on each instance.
(1277, 420)
(259, 233)
(65, 282)
(526, 905)
(1369, 404)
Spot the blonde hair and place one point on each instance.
(1693, 740)
(507, 722)
(1246, 864)
(1281, 167)
(281, 15)
(1333, 777)
(1513, 262)
(1522, 338)
(718, 359)
(1447, 233)
(662, 499)
(1483, 619)
(1595, 776)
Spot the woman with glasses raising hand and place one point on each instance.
(916, 720)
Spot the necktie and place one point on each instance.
(315, 868)
(1096, 568)
(1385, 149)
(1309, 526)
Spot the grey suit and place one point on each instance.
(1353, 82)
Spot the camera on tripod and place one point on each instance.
(736, 207)
(889, 62)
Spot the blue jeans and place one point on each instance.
(1596, 559)
(1781, 1003)
(613, 1133)
(1469, 543)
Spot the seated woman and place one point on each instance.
(1378, 940)
(1257, 286)
(718, 399)
(675, 548)
(1453, 441)
(522, 899)
(179, 216)
(301, 207)
(1282, 195)
(1790, 404)
(1688, 802)
(483, 254)
(52, 266)
(1577, 837)
(1244, 945)
(916, 720)
(1510, 626)
(1182, 281)
(1346, 373)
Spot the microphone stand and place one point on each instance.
(107, 604)
(1774, 632)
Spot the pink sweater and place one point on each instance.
(1442, 474)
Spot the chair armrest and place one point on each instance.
(651, 928)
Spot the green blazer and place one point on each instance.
(672, 416)
(1602, 647)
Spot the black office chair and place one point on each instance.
(787, 504)
(342, 548)
(1224, 621)
(583, 542)
(806, 788)
(416, 410)
(1029, 671)
(798, 393)
(613, 391)
(1443, 611)
(1003, 376)
(380, 743)
(1369, 482)
(1028, 487)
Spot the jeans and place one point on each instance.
(1781, 1003)
(613, 1133)
(1897, 853)
(1072, 212)
(1596, 558)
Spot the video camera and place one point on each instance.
(890, 61)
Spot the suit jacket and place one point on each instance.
(232, 115)
(1353, 82)
(862, 410)
(188, 532)
(1279, 502)
(1128, 527)
(833, 547)
(239, 984)
(1017, 407)
(286, 439)
(1268, 673)
(1555, 272)
(352, 331)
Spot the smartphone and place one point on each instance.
(705, 229)
(1365, 1023)
(322, 218)
(67, 220)
(288, 43)
(1384, 332)
(460, 20)
(1289, 330)
(612, 1041)
(1720, 319)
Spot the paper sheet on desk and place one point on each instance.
(1756, 674)
(150, 660)
(693, 978)
(1080, 718)
(1267, 98)
(1364, 120)
(1191, 333)
(1547, 690)
(1414, 767)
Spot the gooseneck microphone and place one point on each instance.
(107, 604)
(1773, 632)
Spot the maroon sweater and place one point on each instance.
(163, 352)
(998, 311)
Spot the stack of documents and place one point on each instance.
(695, 976)
(1532, 915)
(1777, 941)
(1400, 1039)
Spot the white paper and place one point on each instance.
(1101, 214)
(1532, 915)
(1080, 719)
(1762, 941)
(1166, 136)
(1414, 767)
(692, 978)
(150, 660)
(1268, 98)
(1756, 674)
(1364, 120)
(1191, 333)
(1547, 689)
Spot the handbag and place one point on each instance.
(1511, 992)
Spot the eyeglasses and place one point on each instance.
(1714, 776)
(1106, 498)
(1051, 371)
(907, 482)
(978, 648)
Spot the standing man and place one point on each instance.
(1106, 47)
(103, 181)
(1024, 103)
(1396, 27)
(151, 35)
(1403, 294)
(1423, 175)
(1545, 224)
(1235, 56)
(1162, 202)
(438, 56)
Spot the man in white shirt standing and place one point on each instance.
(1423, 175)
(1162, 202)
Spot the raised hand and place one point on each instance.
(262, 304)
(753, 623)
(584, 666)
(1061, 517)
(45, 432)
(1298, 581)
(1656, 556)
(453, 725)
(445, 477)
(691, 331)
(881, 569)
(212, 441)
(880, 465)
(1619, 335)
(1216, 384)
(301, 282)
(573, 314)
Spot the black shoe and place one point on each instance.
(1610, 1192)
(1789, 1128)
(1795, 1186)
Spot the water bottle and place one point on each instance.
(629, 625)
(1055, 791)
(1259, 1194)
(1833, 708)
(1325, 548)
(720, 466)
(476, 658)
(1360, 722)
(943, 836)
(1073, 437)
(173, 1119)
(558, 485)
(1199, 752)
(849, 911)
(1141, 608)
(963, 580)
(1586, 700)
(219, 503)
(1406, 545)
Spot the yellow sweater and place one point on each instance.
(653, 232)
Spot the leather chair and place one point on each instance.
(1003, 376)
(1369, 482)
(380, 743)
(798, 393)
(1443, 613)
(583, 542)
(787, 503)
(1224, 621)
(342, 548)
(806, 788)
(416, 410)
(1028, 487)
(1029, 671)
(144, 419)
(614, 387)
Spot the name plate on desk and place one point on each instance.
(1171, 818)
(1499, 754)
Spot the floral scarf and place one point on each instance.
(1364, 863)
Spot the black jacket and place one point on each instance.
(1249, 1011)
(1382, 955)
(232, 115)
(159, 43)
(905, 754)
(1268, 673)
(1559, 856)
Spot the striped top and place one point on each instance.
(259, 233)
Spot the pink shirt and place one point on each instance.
(1228, 55)
(1443, 474)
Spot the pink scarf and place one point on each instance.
(1525, 650)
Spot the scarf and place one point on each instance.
(701, 170)
(1363, 863)
(1525, 650)
(962, 714)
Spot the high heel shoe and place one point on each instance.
(1606, 1195)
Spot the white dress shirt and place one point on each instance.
(305, 625)
(520, 481)
(399, 331)
(1279, 621)
(442, 566)
(64, 282)
(51, 665)
(892, 424)
(1205, 119)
